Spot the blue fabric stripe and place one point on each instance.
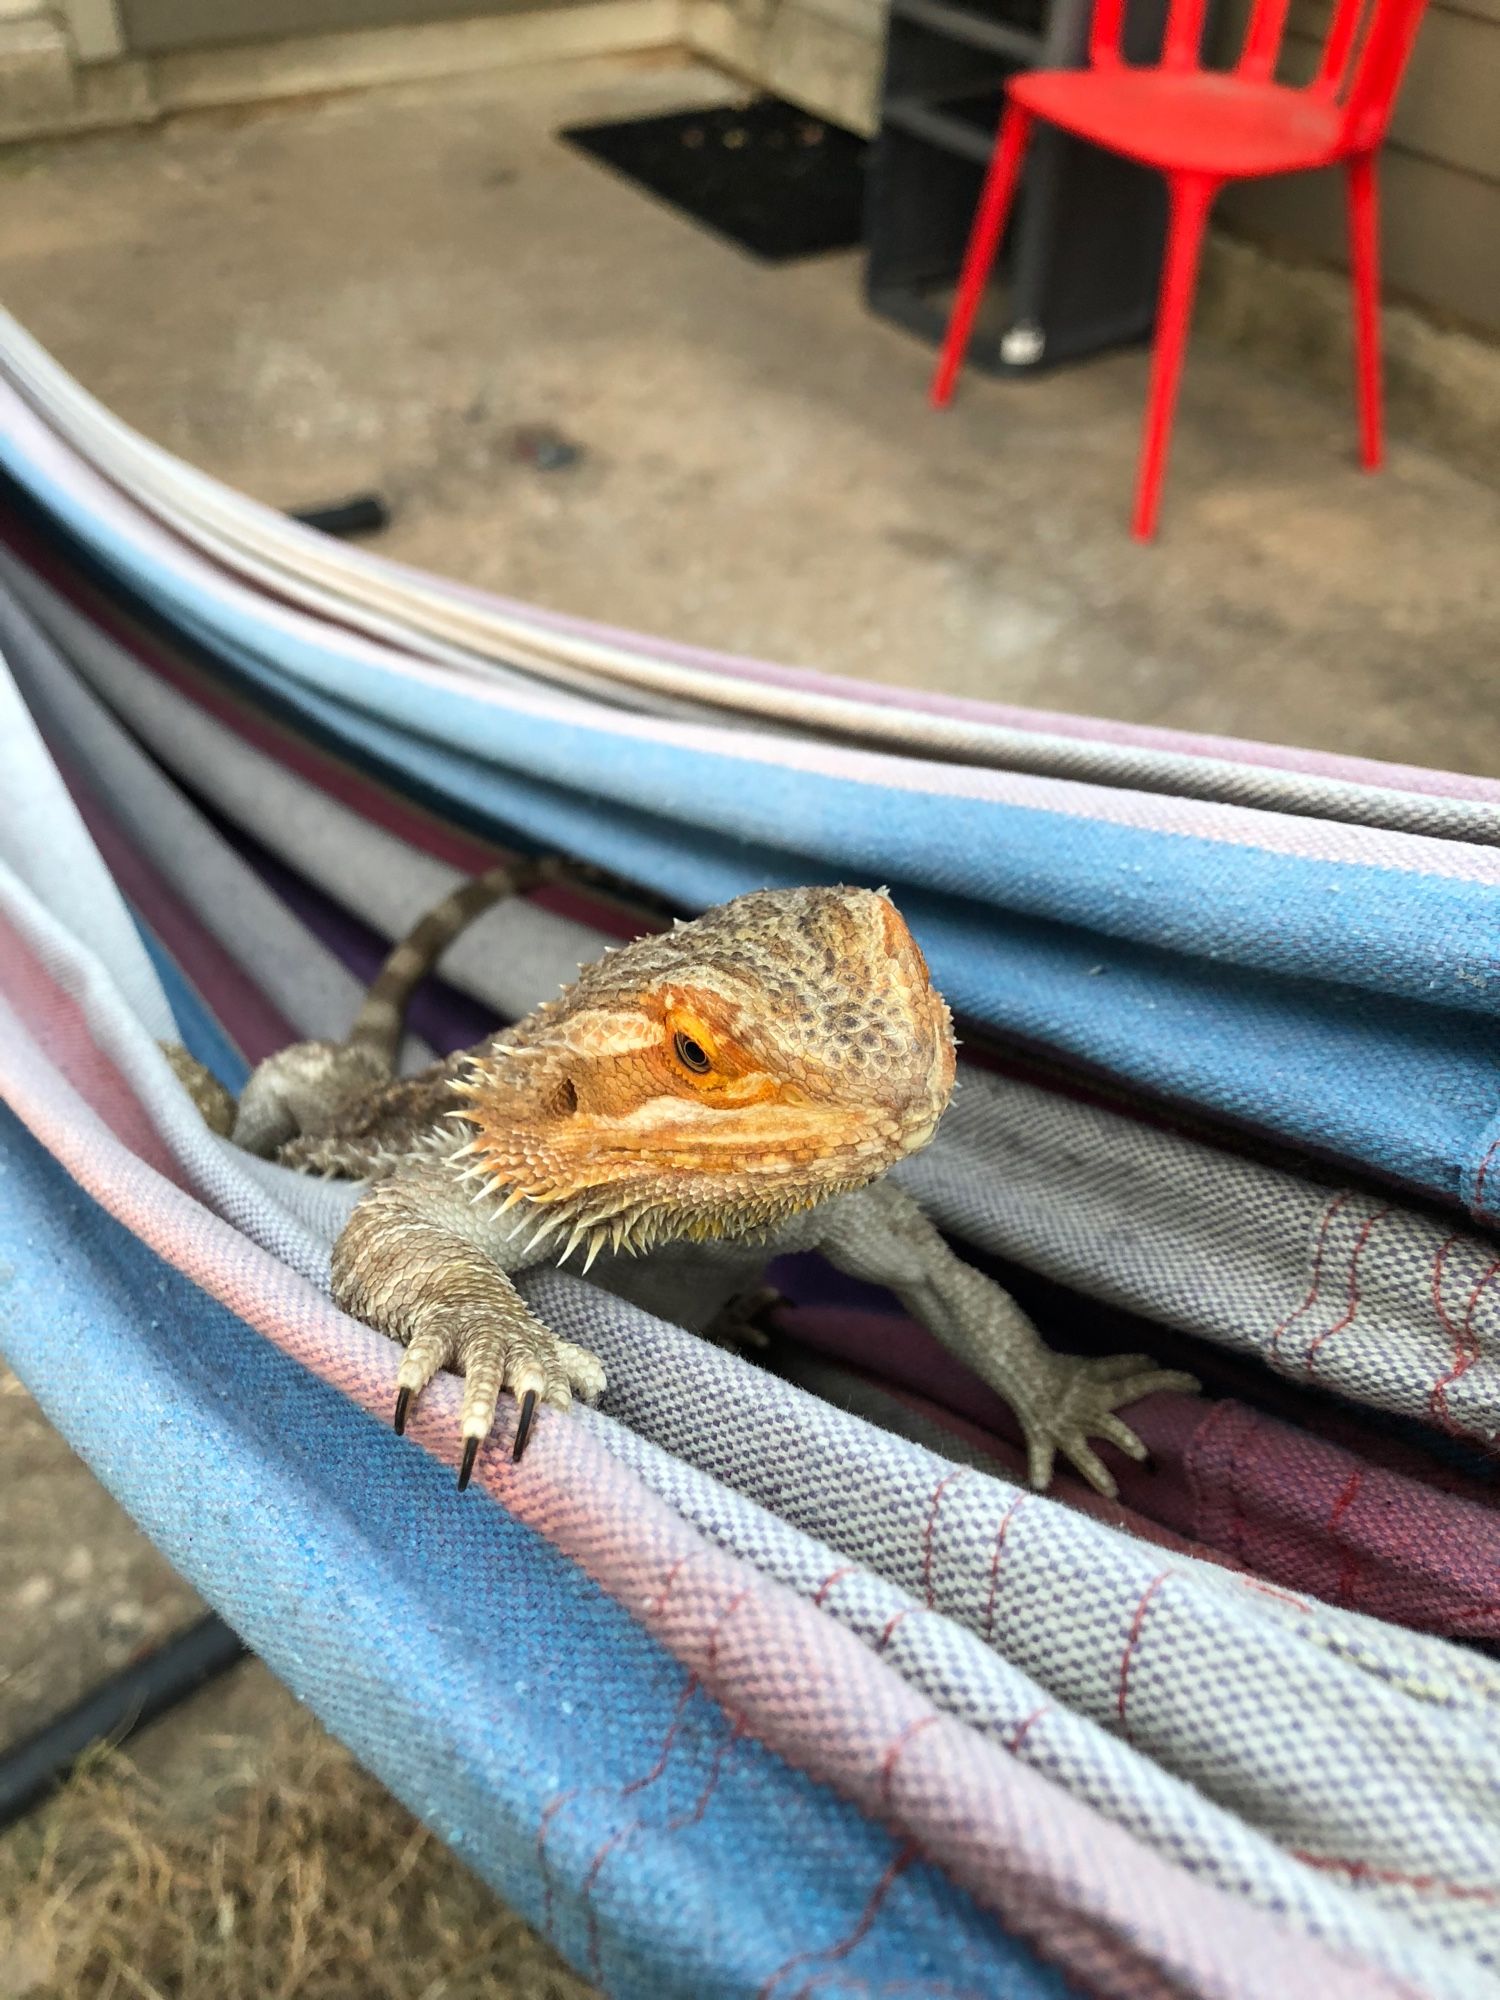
(463, 1659)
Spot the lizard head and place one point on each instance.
(716, 1079)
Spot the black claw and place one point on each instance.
(465, 1471)
(523, 1423)
(403, 1404)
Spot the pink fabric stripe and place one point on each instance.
(1119, 1918)
(1294, 1508)
(55, 1024)
(1301, 1510)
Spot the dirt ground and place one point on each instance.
(379, 292)
(245, 1855)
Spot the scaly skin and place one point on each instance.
(749, 1075)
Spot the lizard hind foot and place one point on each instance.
(1085, 1394)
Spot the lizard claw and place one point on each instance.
(523, 1423)
(521, 1356)
(1082, 1397)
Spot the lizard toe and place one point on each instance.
(529, 1363)
(1086, 1395)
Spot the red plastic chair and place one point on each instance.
(1201, 128)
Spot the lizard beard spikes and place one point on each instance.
(715, 1080)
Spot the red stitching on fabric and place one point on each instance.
(1438, 1307)
(586, 1889)
(831, 1579)
(1197, 1447)
(1270, 1590)
(1484, 1167)
(1244, 1436)
(891, 1623)
(929, 1533)
(899, 1862)
(888, 1761)
(690, 1688)
(729, 1610)
(1394, 1878)
(1147, 1595)
(1317, 1271)
(622, 1833)
(1348, 1560)
(1465, 1347)
(553, 1806)
(674, 1825)
(668, 1585)
(695, 1812)
(1353, 1306)
(1000, 1533)
(1024, 1729)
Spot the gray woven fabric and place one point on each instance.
(957, 1670)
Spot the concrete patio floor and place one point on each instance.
(376, 291)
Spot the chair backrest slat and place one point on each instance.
(1106, 29)
(1263, 38)
(1343, 32)
(1182, 46)
(1376, 75)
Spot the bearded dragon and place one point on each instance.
(746, 1076)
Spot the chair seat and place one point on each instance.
(1194, 121)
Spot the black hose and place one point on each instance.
(127, 1701)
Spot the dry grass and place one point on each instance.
(294, 1877)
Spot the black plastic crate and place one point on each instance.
(1077, 272)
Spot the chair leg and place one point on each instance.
(984, 240)
(1192, 196)
(1364, 269)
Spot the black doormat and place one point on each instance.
(775, 180)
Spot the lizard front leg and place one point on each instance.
(412, 1261)
(1061, 1400)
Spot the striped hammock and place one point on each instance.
(777, 1681)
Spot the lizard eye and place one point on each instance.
(692, 1055)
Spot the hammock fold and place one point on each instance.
(782, 1683)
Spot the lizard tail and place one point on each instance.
(382, 1019)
